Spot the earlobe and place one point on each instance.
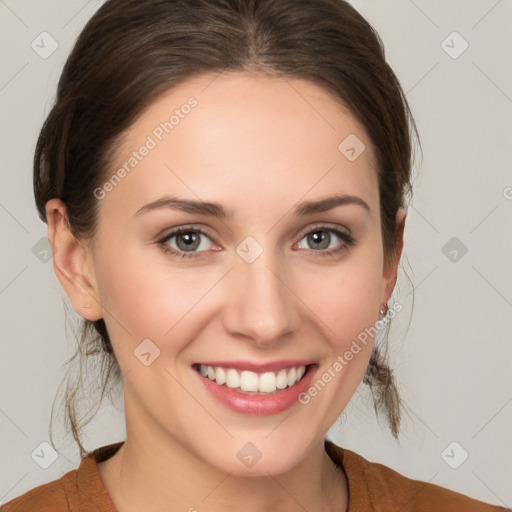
(72, 263)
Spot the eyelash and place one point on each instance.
(349, 241)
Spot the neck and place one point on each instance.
(149, 476)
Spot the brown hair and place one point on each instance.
(131, 51)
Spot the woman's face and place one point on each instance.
(265, 284)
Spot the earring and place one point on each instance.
(383, 310)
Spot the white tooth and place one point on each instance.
(282, 380)
(301, 370)
(292, 375)
(249, 381)
(220, 375)
(267, 382)
(232, 379)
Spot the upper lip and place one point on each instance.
(259, 368)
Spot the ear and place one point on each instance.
(72, 263)
(391, 269)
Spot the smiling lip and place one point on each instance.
(258, 368)
(258, 405)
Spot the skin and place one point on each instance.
(258, 146)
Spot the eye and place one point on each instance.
(320, 238)
(188, 240)
(188, 243)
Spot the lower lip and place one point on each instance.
(259, 405)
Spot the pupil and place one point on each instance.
(188, 239)
(319, 238)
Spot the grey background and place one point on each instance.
(454, 362)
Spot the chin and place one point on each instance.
(257, 455)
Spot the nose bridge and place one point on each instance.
(264, 308)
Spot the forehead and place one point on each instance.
(240, 136)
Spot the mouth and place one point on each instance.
(246, 382)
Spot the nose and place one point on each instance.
(263, 308)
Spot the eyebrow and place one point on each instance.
(217, 210)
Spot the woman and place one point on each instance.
(224, 185)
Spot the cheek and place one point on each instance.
(141, 298)
(346, 298)
(347, 305)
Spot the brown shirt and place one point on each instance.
(372, 487)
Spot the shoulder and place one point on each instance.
(78, 490)
(374, 486)
(49, 497)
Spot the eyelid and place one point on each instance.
(323, 225)
(168, 232)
